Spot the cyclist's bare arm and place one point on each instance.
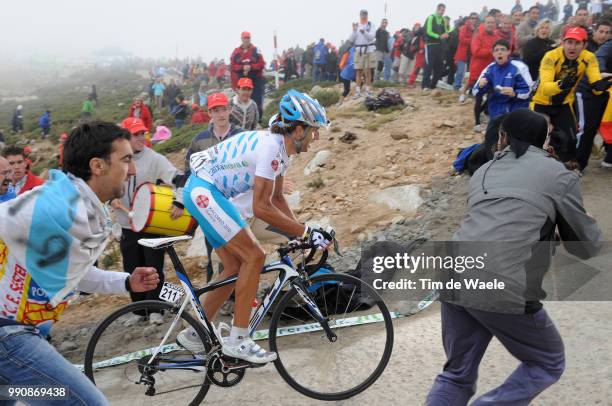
(264, 209)
(278, 198)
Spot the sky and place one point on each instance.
(67, 29)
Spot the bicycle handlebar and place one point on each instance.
(292, 247)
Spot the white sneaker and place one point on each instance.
(132, 319)
(248, 350)
(605, 164)
(357, 95)
(479, 128)
(462, 99)
(156, 318)
(189, 340)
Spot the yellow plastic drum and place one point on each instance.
(151, 207)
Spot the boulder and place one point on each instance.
(404, 198)
(317, 162)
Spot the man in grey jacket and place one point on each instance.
(515, 204)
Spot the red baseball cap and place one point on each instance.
(134, 125)
(195, 107)
(245, 82)
(245, 34)
(577, 33)
(27, 150)
(217, 100)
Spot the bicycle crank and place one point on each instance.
(224, 373)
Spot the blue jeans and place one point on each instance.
(318, 73)
(179, 122)
(26, 358)
(387, 67)
(461, 66)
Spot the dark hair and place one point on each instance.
(440, 5)
(525, 128)
(493, 12)
(13, 150)
(501, 42)
(87, 141)
(563, 144)
(286, 129)
(533, 7)
(181, 97)
(601, 22)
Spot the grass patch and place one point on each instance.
(316, 183)
(327, 97)
(391, 109)
(379, 84)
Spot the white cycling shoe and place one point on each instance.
(189, 340)
(248, 350)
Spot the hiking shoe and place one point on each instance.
(605, 164)
(479, 128)
(462, 99)
(189, 340)
(367, 93)
(357, 95)
(425, 90)
(156, 318)
(133, 319)
(248, 350)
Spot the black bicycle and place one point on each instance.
(332, 332)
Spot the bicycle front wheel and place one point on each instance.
(119, 358)
(314, 365)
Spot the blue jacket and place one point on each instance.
(320, 54)
(514, 74)
(348, 72)
(44, 120)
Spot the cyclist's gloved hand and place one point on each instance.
(567, 83)
(319, 237)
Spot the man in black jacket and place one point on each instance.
(382, 46)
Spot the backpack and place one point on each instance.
(460, 163)
(386, 98)
(407, 49)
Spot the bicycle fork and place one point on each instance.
(313, 309)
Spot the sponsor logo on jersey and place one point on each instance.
(274, 165)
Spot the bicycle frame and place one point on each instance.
(287, 276)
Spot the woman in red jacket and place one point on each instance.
(140, 110)
(466, 32)
(482, 56)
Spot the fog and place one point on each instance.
(63, 31)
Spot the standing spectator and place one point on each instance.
(483, 13)
(535, 49)
(560, 72)
(319, 61)
(601, 34)
(221, 72)
(506, 31)
(44, 122)
(398, 41)
(589, 107)
(517, 7)
(508, 82)
(247, 61)
(94, 95)
(244, 111)
(347, 72)
(7, 192)
(150, 166)
(580, 19)
(158, 93)
(179, 111)
(290, 66)
(331, 64)
(482, 44)
(449, 48)
(17, 121)
(307, 61)
(517, 19)
(568, 10)
(436, 31)
(199, 115)
(382, 46)
(171, 94)
(466, 33)
(23, 179)
(418, 46)
(363, 37)
(60, 158)
(526, 30)
(88, 109)
(139, 109)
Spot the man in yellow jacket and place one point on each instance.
(560, 72)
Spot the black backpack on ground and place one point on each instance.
(386, 98)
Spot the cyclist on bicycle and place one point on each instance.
(252, 161)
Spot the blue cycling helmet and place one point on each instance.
(296, 106)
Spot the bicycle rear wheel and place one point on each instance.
(118, 355)
(317, 367)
